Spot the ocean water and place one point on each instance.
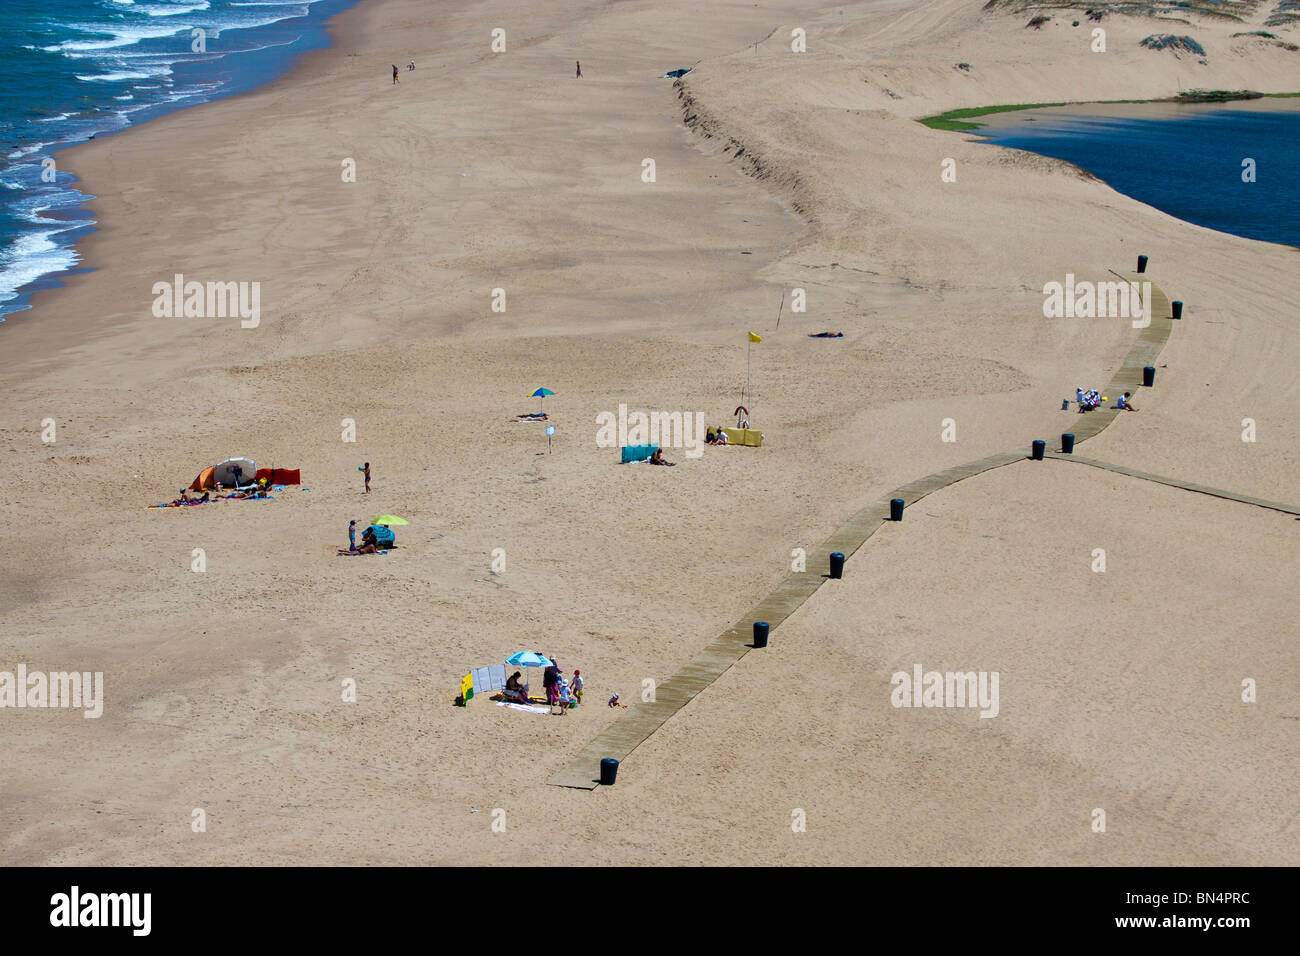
(73, 69)
(1183, 159)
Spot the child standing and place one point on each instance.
(352, 535)
(577, 687)
(366, 469)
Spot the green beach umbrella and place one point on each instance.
(387, 520)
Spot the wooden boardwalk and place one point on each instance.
(1176, 483)
(643, 719)
(629, 730)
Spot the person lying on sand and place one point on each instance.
(369, 547)
(658, 458)
(185, 499)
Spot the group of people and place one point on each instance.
(375, 539)
(560, 691)
(1088, 400)
(1092, 398)
(260, 490)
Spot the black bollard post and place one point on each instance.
(760, 633)
(1039, 447)
(1178, 309)
(1148, 376)
(1067, 443)
(896, 506)
(1142, 264)
(837, 565)
(608, 771)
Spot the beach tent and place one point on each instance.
(204, 480)
(223, 473)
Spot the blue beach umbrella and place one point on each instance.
(528, 659)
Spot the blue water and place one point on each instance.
(73, 69)
(1184, 160)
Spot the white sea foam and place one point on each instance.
(28, 258)
(115, 77)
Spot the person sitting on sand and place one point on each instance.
(515, 690)
(658, 458)
(368, 545)
(1124, 404)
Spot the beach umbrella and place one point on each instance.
(528, 659)
(541, 393)
(387, 520)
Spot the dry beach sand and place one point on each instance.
(479, 171)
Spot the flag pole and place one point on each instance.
(749, 345)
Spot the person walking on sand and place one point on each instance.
(396, 78)
(579, 63)
(366, 469)
(411, 65)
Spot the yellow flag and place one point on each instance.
(755, 338)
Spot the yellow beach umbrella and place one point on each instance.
(389, 520)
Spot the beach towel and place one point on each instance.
(638, 452)
(531, 708)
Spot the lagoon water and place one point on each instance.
(75, 68)
(1184, 159)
